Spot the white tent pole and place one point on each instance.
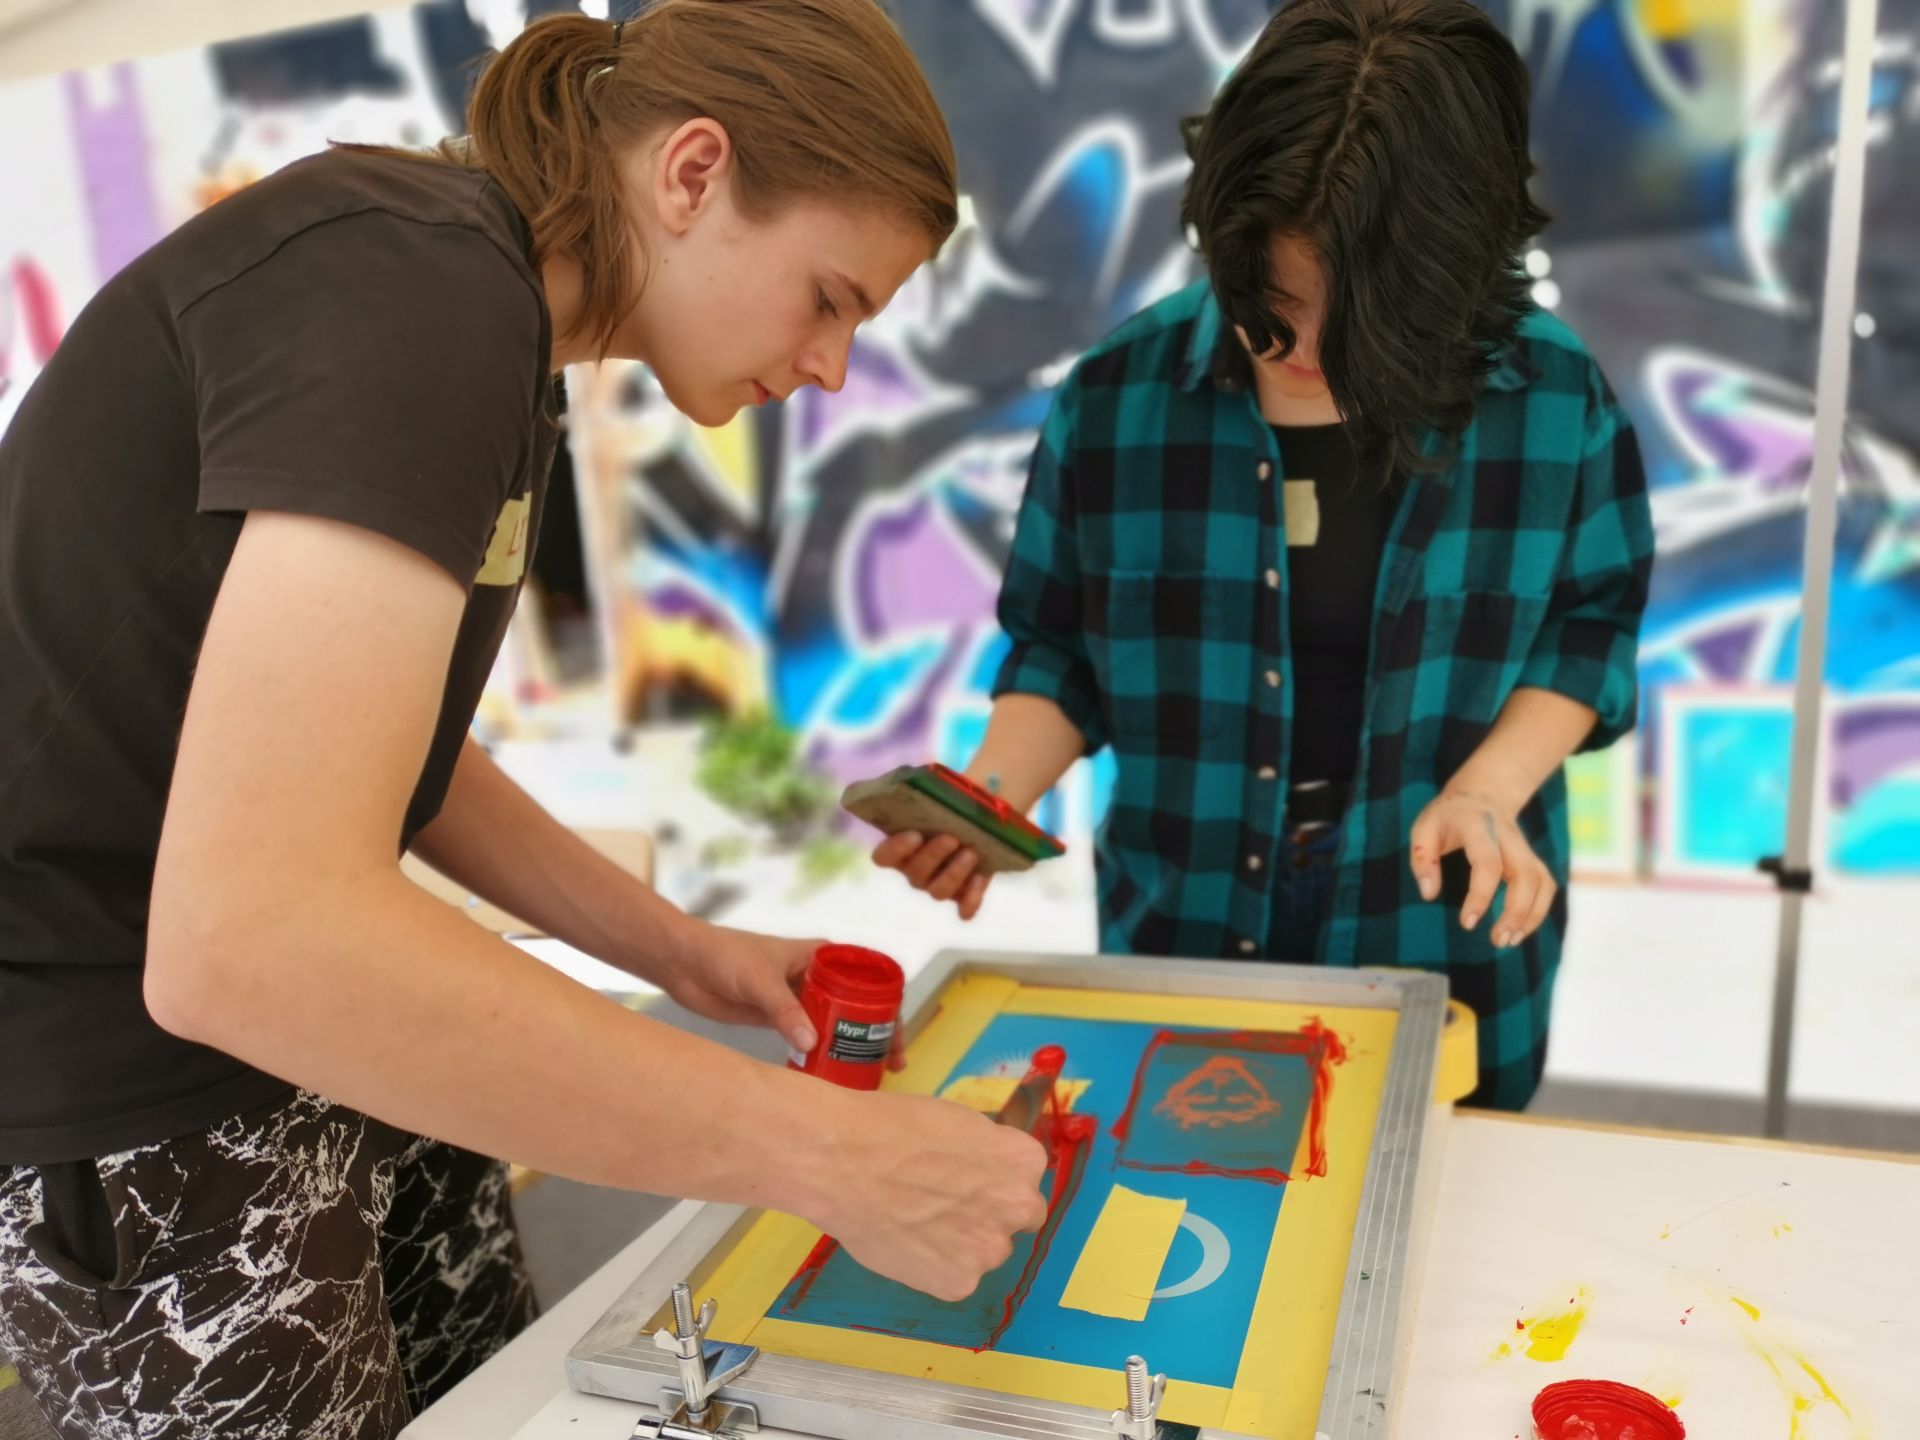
(1823, 497)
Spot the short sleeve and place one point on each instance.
(375, 370)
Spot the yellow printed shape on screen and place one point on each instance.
(1119, 1268)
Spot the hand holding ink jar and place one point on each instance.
(852, 996)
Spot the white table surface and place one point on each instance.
(1655, 1237)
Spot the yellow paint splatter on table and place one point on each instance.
(1792, 1371)
(1548, 1337)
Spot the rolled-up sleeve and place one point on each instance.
(1041, 598)
(1588, 645)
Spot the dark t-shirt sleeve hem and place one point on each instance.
(238, 1094)
(238, 491)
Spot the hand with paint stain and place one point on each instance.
(922, 1191)
(1497, 854)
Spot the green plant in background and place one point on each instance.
(751, 765)
(826, 859)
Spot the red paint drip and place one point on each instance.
(1602, 1410)
(811, 1267)
(1330, 1051)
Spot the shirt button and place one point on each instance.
(1273, 579)
(1273, 679)
(1264, 470)
(1246, 947)
(1267, 772)
(1254, 862)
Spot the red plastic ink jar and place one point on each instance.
(852, 996)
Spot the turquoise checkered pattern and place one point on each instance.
(1146, 594)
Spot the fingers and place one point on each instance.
(1529, 893)
(894, 851)
(972, 895)
(1542, 907)
(926, 862)
(1427, 839)
(1028, 1168)
(780, 1009)
(1483, 853)
(940, 865)
(954, 875)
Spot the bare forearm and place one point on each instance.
(374, 994)
(1029, 745)
(495, 839)
(1532, 737)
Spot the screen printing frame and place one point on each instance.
(617, 1358)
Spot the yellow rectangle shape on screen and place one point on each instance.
(1119, 1269)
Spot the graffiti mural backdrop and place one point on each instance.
(838, 558)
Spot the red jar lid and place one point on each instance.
(858, 976)
(1602, 1410)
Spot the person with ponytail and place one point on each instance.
(267, 511)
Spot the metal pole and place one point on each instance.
(1823, 495)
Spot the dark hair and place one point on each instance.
(820, 98)
(1390, 137)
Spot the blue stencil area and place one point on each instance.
(1194, 1337)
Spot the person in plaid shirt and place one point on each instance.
(1343, 551)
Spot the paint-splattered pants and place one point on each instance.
(299, 1271)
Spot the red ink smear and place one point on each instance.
(1602, 1410)
(811, 1267)
(1520, 1325)
(1329, 1051)
(1683, 1318)
(1320, 1046)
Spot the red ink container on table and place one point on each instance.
(852, 996)
(1602, 1410)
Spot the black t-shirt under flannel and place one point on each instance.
(1336, 530)
(359, 337)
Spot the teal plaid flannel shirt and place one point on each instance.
(1146, 594)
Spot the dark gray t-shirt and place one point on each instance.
(360, 337)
